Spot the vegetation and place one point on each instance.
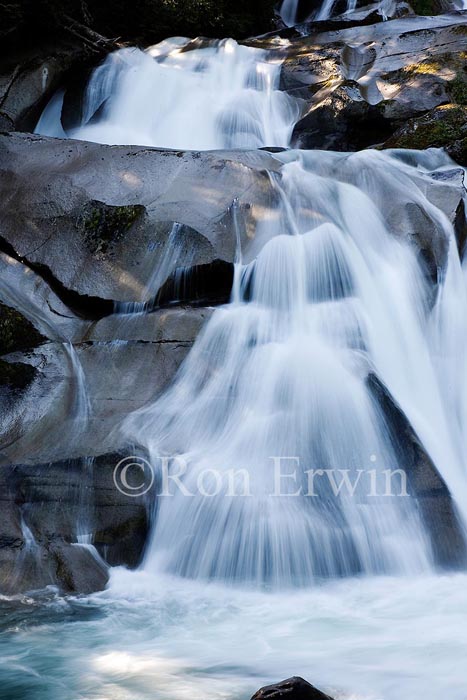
(138, 21)
(16, 376)
(444, 126)
(16, 332)
(427, 7)
(104, 225)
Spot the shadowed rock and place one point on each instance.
(426, 486)
(99, 220)
(49, 510)
(294, 688)
(360, 84)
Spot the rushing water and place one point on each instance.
(220, 96)
(294, 11)
(168, 639)
(330, 296)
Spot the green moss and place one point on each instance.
(16, 332)
(458, 89)
(439, 128)
(425, 7)
(423, 68)
(16, 376)
(105, 225)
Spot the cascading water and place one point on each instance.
(290, 10)
(331, 291)
(221, 96)
(282, 372)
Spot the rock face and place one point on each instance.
(442, 127)
(425, 484)
(83, 228)
(360, 84)
(294, 688)
(53, 513)
(99, 220)
(91, 234)
(30, 76)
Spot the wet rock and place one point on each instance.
(61, 523)
(29, 564)
(78, 569)
(72, 568)
(128, 359)
(30, 76)
(74, 498)
(426, 486)
(99, 220)
(294, 688)
(359, 85)
(441, 127)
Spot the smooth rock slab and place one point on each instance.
(358, 85)
(99, 219)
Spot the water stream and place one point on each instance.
(232, 591)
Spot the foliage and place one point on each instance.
(143, 21)
(441, 127)
(16, 332)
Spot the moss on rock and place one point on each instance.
(442, 127)
(104, 225)
(16, 332)
(16, 376)
(427, 7)
(458, 89)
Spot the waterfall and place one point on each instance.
(288, 12)
(333, 291)
(221, 96)
(291, 10)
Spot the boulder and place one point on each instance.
(435, 503)
(102, 222)
(71, 568)
(359, 85)
(294, 688)
(444, 127)
(82, 391)
(62, 523)
(30, 76)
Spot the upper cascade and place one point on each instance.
(294, 11)
(221, 96)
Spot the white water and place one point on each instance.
(168, 639)
(222, 96)
(289, 11)
(332, 294)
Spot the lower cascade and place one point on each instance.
(242, 366)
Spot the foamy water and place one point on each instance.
(329, 295)
(164, 638)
